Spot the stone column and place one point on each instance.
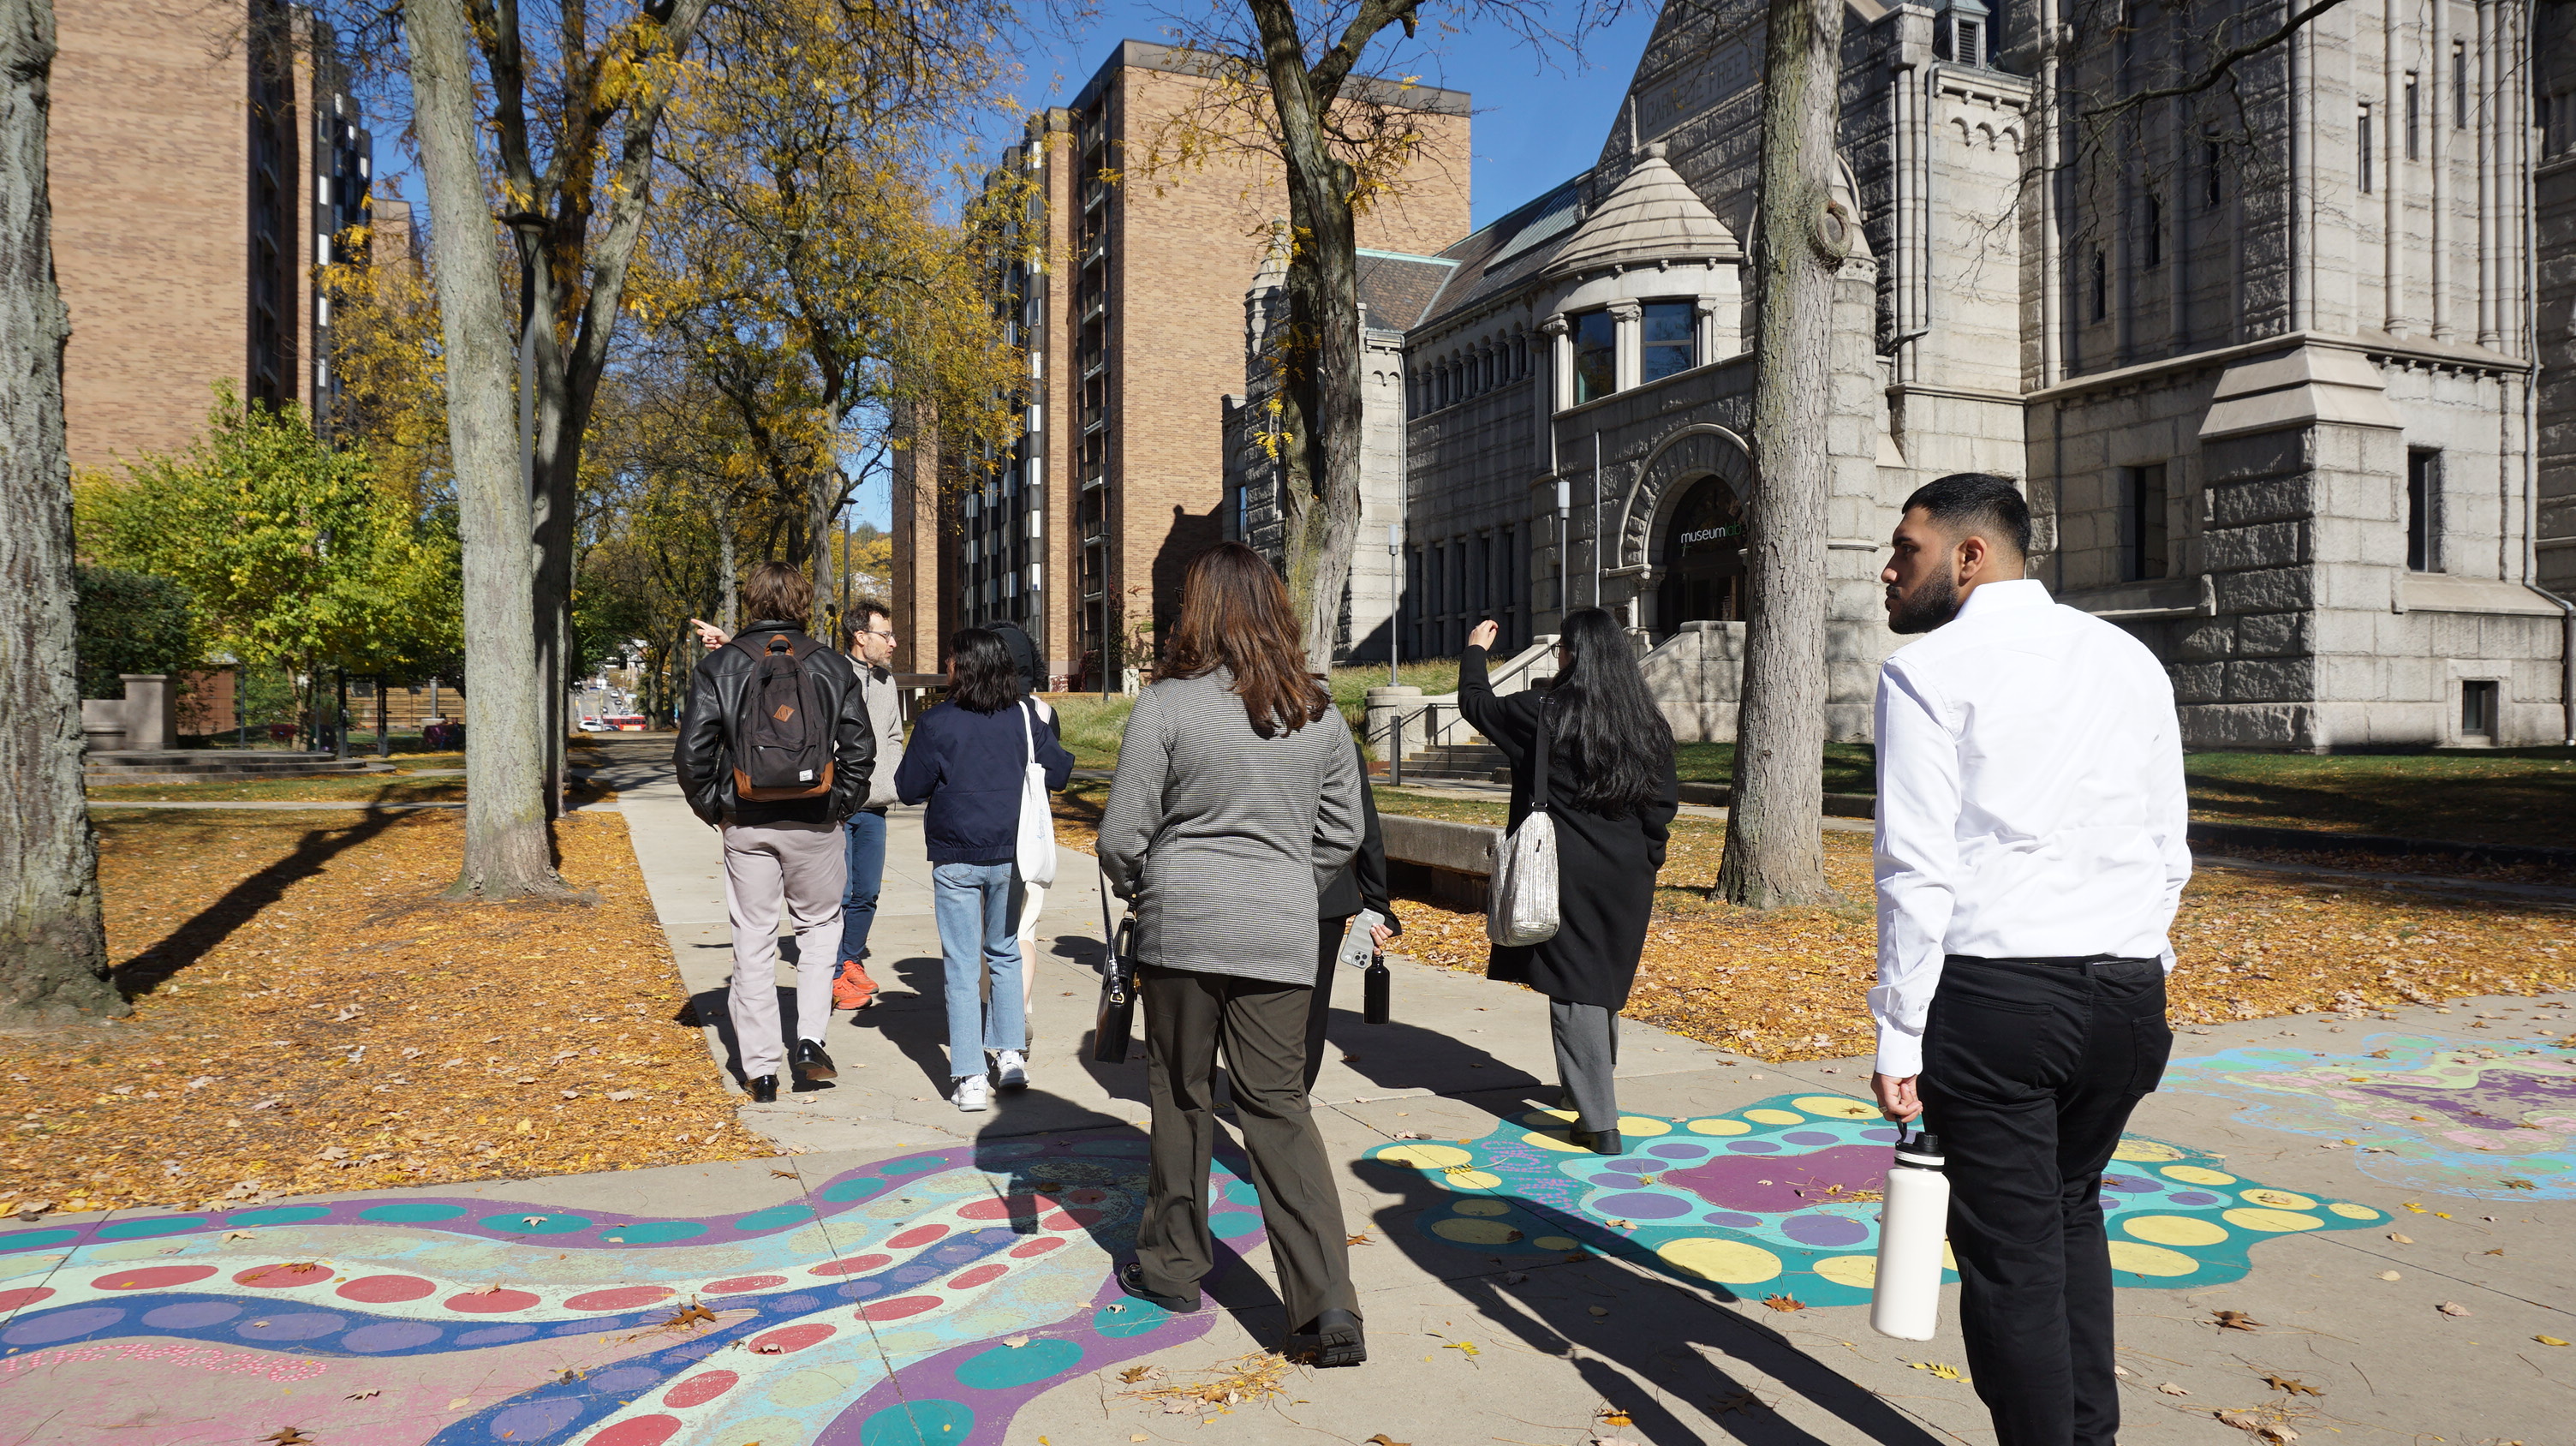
(1630, 349)
(1385, 705)
(1560, 363)
(149, 721)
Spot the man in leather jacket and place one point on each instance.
(777, 854)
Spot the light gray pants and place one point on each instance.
(1587, 1060)
(803, 867)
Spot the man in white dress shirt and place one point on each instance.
(2030, 855)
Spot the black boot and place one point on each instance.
(764, 1090)
(1605, 1142)
(1131, 1279)
(812, 1063)
(1334, 1339)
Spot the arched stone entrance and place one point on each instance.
(1702, 558)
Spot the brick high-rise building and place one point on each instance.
(1127, 290)
(204, 158)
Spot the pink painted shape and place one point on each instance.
(495, 1302)
(387, 1289)
(741, 1283)
(788, 1339)
(918, 1235)
(699, 1389)
(624, 1297)
(899, 1307)
(851, 1267)
(29, 1295)
(286, 1275)
(1040, 1246)
(153, 1277)
(637, 1431)
(980, 1275)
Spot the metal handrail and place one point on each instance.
(1395, 738)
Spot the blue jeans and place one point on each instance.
(976, 933)
(865, 835)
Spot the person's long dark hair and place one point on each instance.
(1612, 746)
(1235, 615)
(985, 681)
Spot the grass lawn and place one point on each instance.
(2505, 796)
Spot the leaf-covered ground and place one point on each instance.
(318, 1019)
(1789, 984)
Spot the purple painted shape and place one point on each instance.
(1678, 1150)
(1753, 1147)
(536, 1420)
(1642, 1206)
(304, 1325)
(1732, 1220)
(188, 1315)
(2127, 1184)
(496, 1335)
(392, 1335)
(62, 1326)
(1613, 1180)
(1811, 1137)
(2195, 1198)
(624, 1379)
(1824, 1230)
(1735, 1182)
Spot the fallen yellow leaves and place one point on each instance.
(1243, 1380)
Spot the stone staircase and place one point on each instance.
(215, 765)
(1479, 761)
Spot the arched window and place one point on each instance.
(1703, 558)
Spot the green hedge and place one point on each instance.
(129, 622)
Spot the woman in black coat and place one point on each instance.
(1613, 793)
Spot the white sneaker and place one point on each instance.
(1012, 1068)
(974, 1094)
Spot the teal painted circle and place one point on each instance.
(536, 1224)
(909, 1167)
(1233, 1224)
(918, 1423)
(1003, 1367)
(280, 1215)
(1242, 1193)
(1139, 1317)
(841, 1191)
(411, 1212)
(774, 1217)
(657, 1232)
(148, 1226)
(35, 1239)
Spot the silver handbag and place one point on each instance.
(1521, 893)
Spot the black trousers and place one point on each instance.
(1262, 1028)
(1319, 1009)
(2030, 1070)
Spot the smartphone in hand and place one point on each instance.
(1360, 945)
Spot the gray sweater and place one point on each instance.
(1221, 838)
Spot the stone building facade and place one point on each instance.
(2287, 366)
(204, 159)
(1126, 293)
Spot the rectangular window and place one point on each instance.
(2361, 148)
(1596, 356)
(2210, 193)
(2101, 287)
(2414, 120)
(2478, 699)
(2423, 510)
(2143, 545)
(2152, 243)
(1672, 340)
(2459, 87)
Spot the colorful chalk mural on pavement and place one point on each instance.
(922, 1299)
(1782, 1198)
(2420, 1112)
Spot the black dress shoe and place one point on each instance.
(764, 1090)
(1333, 1340)
(1131, 1279)
(1605, 1142)
(812, 1063)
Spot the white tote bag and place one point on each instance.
(1037, 819)
(1521, 897)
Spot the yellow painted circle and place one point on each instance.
(1774, 1117)
(1643, 1125)
(1474, 1232)
(1720, 1127)
(2143, 1152)
(1729, 1262)
(2175, 1229)
(2273, 1221)
(1471, 1179)
(1557, 1242)
(2195, 1175)
(1481, 1207)
(1858, 1271)
(2277, 1199)
(1556, 1140)
(2138, 1259)
(1547, 1119)
(1835, 1107)
(1425, 1157)
(2353, 1212)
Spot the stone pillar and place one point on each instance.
(149, 719)
(1629, 351)
(1560, 363)
(103, 725)
(1385, 704)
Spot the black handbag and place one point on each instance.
(1116, 1019)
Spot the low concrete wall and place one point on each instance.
(1837, 805)
(1439, 862)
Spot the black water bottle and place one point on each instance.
(1380, 987)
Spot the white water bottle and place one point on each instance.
(1905, 1301)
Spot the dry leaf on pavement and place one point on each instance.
(2452, 1307)
(2170, 1389)
(2234, 1320)
(1784, 1302)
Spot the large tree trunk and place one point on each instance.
(507, 851)
(53, 945)
(1774, 838)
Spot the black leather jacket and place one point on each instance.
(705, 763)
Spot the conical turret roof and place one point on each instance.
(1651, 215)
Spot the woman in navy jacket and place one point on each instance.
(966, 759)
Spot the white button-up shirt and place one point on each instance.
(2030, 800)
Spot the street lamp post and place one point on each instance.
(1395, 592)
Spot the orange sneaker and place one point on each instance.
(852, 988)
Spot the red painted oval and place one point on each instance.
(1085, 1196)
(852, 1266)
(1070, 1219)
(154, 1277)
(284, 1276)
(917, 1235)
(699, 1389)
(497, 1302)
(899, 1307)
(980, 1275)
(12, 1299)
(624, 1297)
(1039, 1246)
(742, 1283)
(638, 1431)
(790, 1338)
(387, 1289)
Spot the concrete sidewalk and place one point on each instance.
(920, 1275)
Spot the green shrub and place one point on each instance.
(129, 622)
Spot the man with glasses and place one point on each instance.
(867, 635)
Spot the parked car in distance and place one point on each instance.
(593, 725)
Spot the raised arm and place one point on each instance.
(1485, 711)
